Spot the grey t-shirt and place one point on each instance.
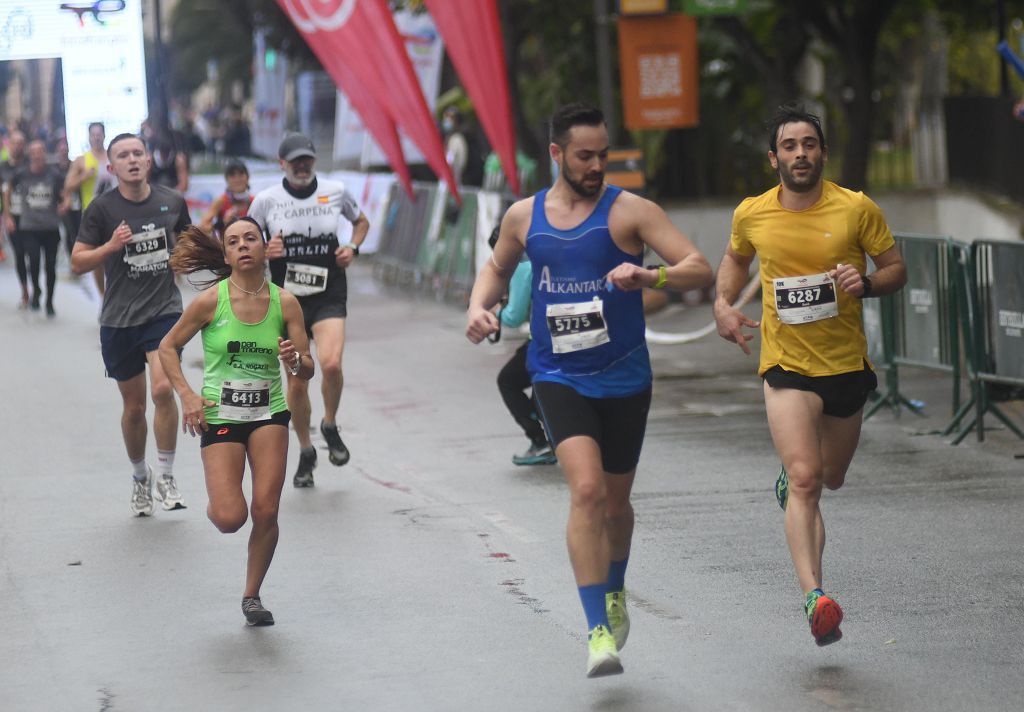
(140, 284)
(39, 195)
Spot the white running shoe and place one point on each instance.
(167, 493)
(603, 658)
(142, 495)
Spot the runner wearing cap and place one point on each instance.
(303, 216)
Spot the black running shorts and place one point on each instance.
(843, 394)
(240, 432)
(616, 424)
(332, 303)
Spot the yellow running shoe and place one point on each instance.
(618, 616)
(604, 658)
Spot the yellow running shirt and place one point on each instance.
(840, 228)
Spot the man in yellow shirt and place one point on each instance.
(89, 176)
(811, 236)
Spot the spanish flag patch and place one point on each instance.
(323, 199)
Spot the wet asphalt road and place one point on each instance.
(431, 574)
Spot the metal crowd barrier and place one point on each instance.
(992, 298)
(918, 326)
(430, 244)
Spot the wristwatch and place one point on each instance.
(662, 276)
(354, 247)
(296, 364)
(866, 281)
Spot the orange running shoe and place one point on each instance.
(824, 615)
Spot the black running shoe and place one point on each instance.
(304, 473)
(337, 451)
(255, 613)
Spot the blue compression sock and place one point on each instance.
(594, 609)
(617, 574)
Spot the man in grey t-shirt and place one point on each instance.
(37, 189)
(130, 232)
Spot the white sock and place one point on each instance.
(140, 470)
(164, 462)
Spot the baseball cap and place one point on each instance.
(295, 145)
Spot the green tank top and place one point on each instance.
(242, 370)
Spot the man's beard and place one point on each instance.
(300, 181)
(579, 187)
(805, 184)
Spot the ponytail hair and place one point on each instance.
(195, 251)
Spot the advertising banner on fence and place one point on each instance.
(658, 60)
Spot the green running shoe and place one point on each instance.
(604, 658)
(618, 616)
(782, 489)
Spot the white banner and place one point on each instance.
(268, 90)
(426, 50)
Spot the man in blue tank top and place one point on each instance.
(588, 359)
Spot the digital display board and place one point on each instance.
(100, 45)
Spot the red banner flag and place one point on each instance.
(472, 36)
(361, 35)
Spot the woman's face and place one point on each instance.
(238, 182)
(243, 246)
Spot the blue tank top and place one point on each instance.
(584, 336)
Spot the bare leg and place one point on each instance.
(794, 418)
(298, 404)
(268, 452)
(133, 416)
(619, 516)
(586, 533)
(329, 335)
(165, 416)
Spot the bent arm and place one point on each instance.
(890, 272)
(86, 258)
(732, 276)
(206, 222)
(181, 166)
(295, 327)
(196, 315)
(360, 227)
(687, 268)
(76, 176)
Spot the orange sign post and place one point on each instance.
(658, 63)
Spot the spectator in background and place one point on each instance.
(169, 159)
(456, 147)
(237, 139)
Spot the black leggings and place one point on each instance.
(513, 380)
(20, 245)
(46, 242)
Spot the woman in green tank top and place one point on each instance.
(249, 329)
